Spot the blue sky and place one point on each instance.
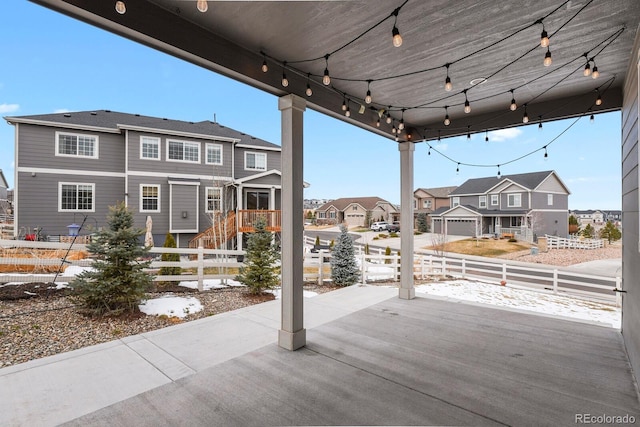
(52, 63)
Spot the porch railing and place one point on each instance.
(247, 220)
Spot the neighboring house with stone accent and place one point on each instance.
(428, 200)
(353, 211)
(187, 176)
(521, 205)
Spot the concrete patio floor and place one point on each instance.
(371, 359)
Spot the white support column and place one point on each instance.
(239, 206)
(292, 334)
(407, 291)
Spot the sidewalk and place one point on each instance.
(60, 388)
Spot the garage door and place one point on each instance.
(461, 227)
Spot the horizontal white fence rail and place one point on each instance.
(555, 242)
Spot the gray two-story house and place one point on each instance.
(523, 206)
(186, 176)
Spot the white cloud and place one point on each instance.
(504, 134)
(8, 108)
(60, 111)
(441, 147)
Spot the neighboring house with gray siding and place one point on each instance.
(524, 205)
(185, 175)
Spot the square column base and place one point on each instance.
(406, 293)
(292, 340)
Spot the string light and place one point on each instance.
(265, 67)
(513, 106)
(285, 81)
(368, 99)
(587, 66)
(389, 119)
(447, 121)
(498, 171)
(347, 111)
(202, 5)
(344, 104)
(486, 136)
(458, 169)
(468, 132)
(447, 82)
(121, 8)
(467, 105)
(378, 123)
(599, 98)
(438, 136)
(393, 127)
(397, 38)
(592, 119)
(309, 92)
(326, 80)
(544, 38)
(546, 156)
(547, 58)
(429, 152)
(595, 73)
(525, 117)
(539, 123)
(401, 124)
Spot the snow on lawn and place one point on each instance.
(306, 294)
(211, 284)
(70, 271)
(526, 300)
(171, 306)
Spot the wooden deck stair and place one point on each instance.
(222, 230)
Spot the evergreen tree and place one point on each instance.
(610, 232)
(261, 271)
(423, 227)
(117, 282)
(170, 242)
(387, 252)
(317, 243)
(367, 219)
(588, 232)
(344, 269)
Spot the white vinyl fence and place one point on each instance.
(555, 242)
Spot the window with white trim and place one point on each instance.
(426, 203)
(149, 198)
(495, 200)
(76, 197)
(182, 151)
(550, 199)
(214, 199)
(321, 215)
(214, 154)
(332, 214)
(76, 145)
(482, 202)
(455, 201)
(514, 200)
(255, 161)
(149, 148)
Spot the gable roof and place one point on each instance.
(116, 122)
(369, 203)
(529, 181)
(3, 180)
(438, 192)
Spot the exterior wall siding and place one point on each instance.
(552, 223)
(38, 201)
(273, 161)
(552, 185)
(630, 218)
(539, 201)
(184, 200)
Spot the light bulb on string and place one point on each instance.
(525, 117)
(202, 5)
(592, 119)
(587, 69)
(121, 8)
(498, 176)
(309, 91)
(540, 123)
(378, 123)
(447, 82)
(344, 104)
(429, 152)
(468, 132)
(544, 38)
(401, 124)
(438, 136)
(467, 105)
(368, 99)
(513, 106)
(347, 111)
(486, 136)
(285, 81)
(458, 169)
(447, 120)
(547, 58)
(546, 156)
(265, 67)
(393, 127)
(326, 80)
(595, 73)
(599, 99)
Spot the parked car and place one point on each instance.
(394, 227)
(379, 226)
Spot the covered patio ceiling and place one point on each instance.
(494, 43)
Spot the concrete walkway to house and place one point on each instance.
(370, 359)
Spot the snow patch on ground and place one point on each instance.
(539, 302)
(212, 284)
(171, 306)
(278, 293)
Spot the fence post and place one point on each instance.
(444, 266)
(396, 267)
(464, 269)
(200, 268)
(422, 267)
(555, 280)
(430, 264)
(618, 294)
(362, 265)
(320, 268)
(504, 272)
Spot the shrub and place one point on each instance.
(317, 243)
(394, 234)
(170, 242)
(512, 240)
(117, 283)
(422, 224)
(387, 252)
